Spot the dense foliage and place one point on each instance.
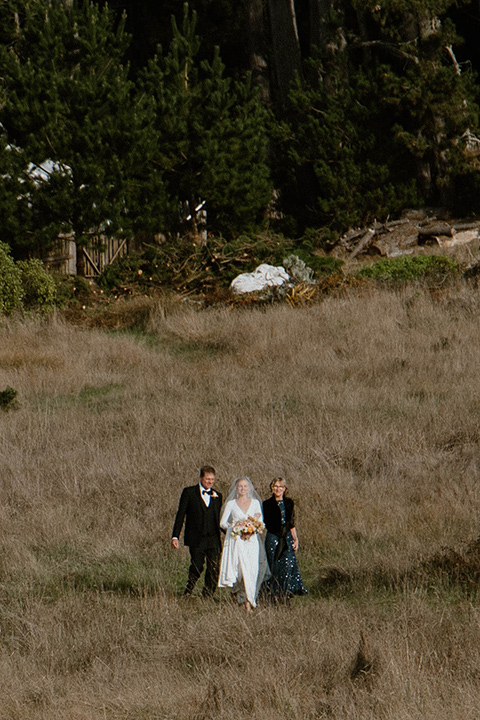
(39, 286)
(25, 285)
(209, 136)
(381, 120)
(88, 151)
(11, 290)
(362, 112)
(70, 114)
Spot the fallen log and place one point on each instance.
(473, 225)
(434, 230)
(364, 242)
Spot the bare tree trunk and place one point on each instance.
(285, 43)
(363, 33)
(319, 10)
(256, 47)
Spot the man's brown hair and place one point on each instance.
(206, 469)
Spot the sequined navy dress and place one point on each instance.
(286, 579)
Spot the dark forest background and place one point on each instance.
(304, 117)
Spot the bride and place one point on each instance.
(243, 565)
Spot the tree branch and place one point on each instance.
(392, 49)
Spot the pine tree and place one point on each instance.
(429, 99)
(381, 121)
(211, 134)
(72, 111)
(329, 169)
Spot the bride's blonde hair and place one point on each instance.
(247, 480)
(232, 492)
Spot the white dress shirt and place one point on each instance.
(205, 495)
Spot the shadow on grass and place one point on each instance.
(446, 571)
(64, 569)
(120, 575)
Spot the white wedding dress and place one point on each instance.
(243, 565)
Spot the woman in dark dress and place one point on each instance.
(281, 543)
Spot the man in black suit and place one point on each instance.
(199, 507)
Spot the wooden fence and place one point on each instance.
(100, 253)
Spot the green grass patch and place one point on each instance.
(63, 568)
(197, 349)
(410, 268)
(447, 575)
(140, 336)
(121, 574)
(94, 398)
(99, 398)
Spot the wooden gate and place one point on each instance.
(100, 253)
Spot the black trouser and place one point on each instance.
(198, 555)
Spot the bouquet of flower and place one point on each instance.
(244, 529)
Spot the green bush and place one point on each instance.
(11, 290)
(8, 398)
(71, 290)
(130, 269)
(39, 286)
(407, 268)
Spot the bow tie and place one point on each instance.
(207, 492)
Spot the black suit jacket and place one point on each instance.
(191, 510)
(272, 516)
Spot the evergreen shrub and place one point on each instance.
(11, 289)
(408, 268)
(39, 286)
(8, 399)
(71, 290)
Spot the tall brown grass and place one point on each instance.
(368, 404)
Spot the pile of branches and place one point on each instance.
(189, 266)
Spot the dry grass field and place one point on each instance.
(368, 403)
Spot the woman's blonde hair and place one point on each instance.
(279, 481)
